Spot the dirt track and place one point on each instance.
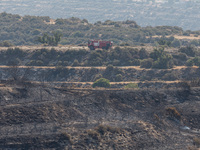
(89, 67)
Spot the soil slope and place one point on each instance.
(47, 117)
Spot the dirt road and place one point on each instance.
(89, 67)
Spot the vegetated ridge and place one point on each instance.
(25, 30)
(183, 13)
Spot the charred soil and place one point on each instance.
(47, 117)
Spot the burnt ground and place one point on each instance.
(34, 116)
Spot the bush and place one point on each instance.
(6, 44)
(131, 85)
(109, 68)
(135, 62)
(35, 63)
(102, 82)
(143, 54)
(157, 53)
(176, 43)
(196, 61)
(193, 61)
(170, 76)
(98, 76)
(180, 56)
(95, 58)
(188, 50)
(190, 62)
(75, 63)
(163, 62)
(118, 78)
(146, 63)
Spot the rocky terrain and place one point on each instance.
(42, 116)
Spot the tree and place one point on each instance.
(57, 35)
(188, 50)
(162, 60)
(176, 43)
(157, 53)
(102, 82)
(143, 53)
(50, 40)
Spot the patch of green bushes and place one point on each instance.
(131, 86)
(102, 82)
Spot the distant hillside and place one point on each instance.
(146, 12)
(18, 30)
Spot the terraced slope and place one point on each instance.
(45, 117)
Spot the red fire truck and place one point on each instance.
(93, 44)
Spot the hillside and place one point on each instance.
(39, 116)
(25, 30)
(182, 13)
(51, 98)
(79, 66)
(47, 100)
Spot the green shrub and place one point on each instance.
(163, 62)
(131, 86)
(193, 61)
(35, 63)
(102, 82)
(135, 62)
(196, 61)
(157, 53)
(190, 62)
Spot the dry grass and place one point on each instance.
(186, 37)
(196, 141)
(173, 113)
(58, 48)
(180, 37)
(102, 129)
